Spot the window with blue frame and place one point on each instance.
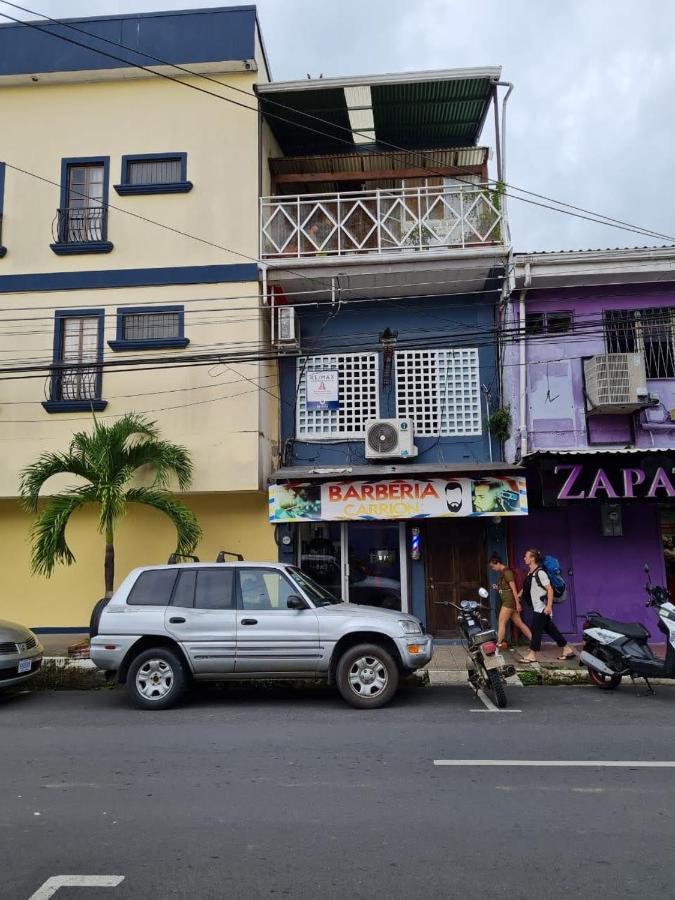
(150, 328)
(81, 224)
(77, 372)
(154, 173)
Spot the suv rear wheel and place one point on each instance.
(156, 679)
(367, 676)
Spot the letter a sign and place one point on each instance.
(322, 389)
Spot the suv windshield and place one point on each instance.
(318, 595)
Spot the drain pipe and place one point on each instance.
(502, 154)
(522, 374)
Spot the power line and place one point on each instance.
(580, 212)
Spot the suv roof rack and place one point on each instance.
(223, 553)
(177, 557)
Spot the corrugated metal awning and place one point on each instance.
(404, 470)
(363, 163)
(595, 451)
(417, 110)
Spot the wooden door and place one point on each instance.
(455, 568)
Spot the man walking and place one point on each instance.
(540, 592)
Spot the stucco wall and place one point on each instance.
(556, 416)
(235, 522)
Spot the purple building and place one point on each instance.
(588, 353)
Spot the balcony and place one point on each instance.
(81, 230)
(76, 389)
(381, 221)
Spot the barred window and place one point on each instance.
(151, 326)
(358, 396)
(650, 331)
(440, 391)
(153, 171)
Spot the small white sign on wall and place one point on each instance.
(322, 389)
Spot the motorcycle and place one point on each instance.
(613, 649)
(486, 666)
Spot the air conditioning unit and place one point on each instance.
(390, 439)
(615, 383)
(287, 330)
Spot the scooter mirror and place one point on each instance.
(646, 569)
(483, 593)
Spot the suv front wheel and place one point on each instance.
(367, 676)
(156, 679)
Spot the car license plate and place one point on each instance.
(24, 666)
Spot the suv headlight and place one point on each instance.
(409, 627)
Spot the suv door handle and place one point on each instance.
(249, 621)
(176, 620)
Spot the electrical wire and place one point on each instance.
(578, 212)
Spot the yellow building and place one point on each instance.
(128, 241)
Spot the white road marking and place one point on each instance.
(562, 763)
(51, 885)
(489, 705)
(495, 710)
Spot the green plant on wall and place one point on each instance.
(499, 423)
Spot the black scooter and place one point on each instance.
(613, 649)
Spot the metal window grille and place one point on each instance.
(151, 326)
(650, 331)
(358, 396)
(79, 344)
(440, 391)
(153, 171)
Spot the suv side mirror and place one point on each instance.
(295, 602)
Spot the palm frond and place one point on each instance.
(188, 532)
(49, 530)
(33, 477)
(168, 460)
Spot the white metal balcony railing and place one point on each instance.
(380, 221)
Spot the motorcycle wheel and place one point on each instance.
(604, 682)
(496, 688)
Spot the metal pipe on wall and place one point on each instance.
(522, 375)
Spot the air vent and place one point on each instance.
(615, 383)
(389, 438)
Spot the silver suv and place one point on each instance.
(166, 625)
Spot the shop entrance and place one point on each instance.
(455, 569)
(667, 527)
(359, 562)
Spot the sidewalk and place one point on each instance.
(448, 665)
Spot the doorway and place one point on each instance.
(455, 569)
(360, 562)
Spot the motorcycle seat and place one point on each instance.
(634, 630)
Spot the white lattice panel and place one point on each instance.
(440, 391)
(358, 394)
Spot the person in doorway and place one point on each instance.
(538, 589)
(510, 608)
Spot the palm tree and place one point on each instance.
(107, 459)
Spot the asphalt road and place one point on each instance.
(294, 794)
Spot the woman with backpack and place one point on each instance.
(510, 608)
(538, 591)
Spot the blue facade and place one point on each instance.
(442, 322)
(435, 322)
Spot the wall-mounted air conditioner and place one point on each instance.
(287, 328)
(615, 383)
(390, 439)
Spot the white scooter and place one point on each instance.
(613, 649)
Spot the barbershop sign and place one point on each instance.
(400, 498)
(585, 482)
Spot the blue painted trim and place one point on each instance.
(122, 343)
(177, 187)
(60, 406)
(70, 249)
(168, 187)
(69, 162)
(55, 404)
(3, 250)
(116, 278)
(72, 629)
(183, 36)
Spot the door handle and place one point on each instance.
(249, 621)
(176, 620)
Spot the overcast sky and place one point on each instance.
(590, 121)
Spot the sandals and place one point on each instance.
(567, 656)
